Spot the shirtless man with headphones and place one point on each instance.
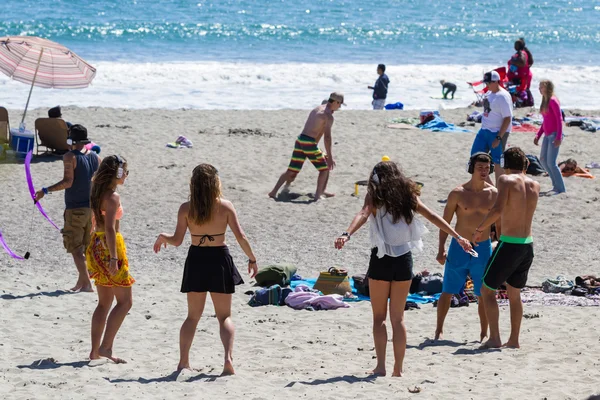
(470, 202)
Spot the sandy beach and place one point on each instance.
(278, 351)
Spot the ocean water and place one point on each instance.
(260, 54)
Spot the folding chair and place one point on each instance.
(4, 126)
(51, 133)
(480, 89)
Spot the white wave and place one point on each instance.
(214, 85)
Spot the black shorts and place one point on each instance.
(210, 269)
(389, 268)
(509, 263)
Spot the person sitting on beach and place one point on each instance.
(391, 203)
(106, 257)
(447, 88)
(519, 66)
(470, 202)
(55, 112)
(209, 266)
(496, 121)
(79, 166)
(318, 124)
(511, 260)
(380, 89)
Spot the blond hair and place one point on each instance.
(549, 93)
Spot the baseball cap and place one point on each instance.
(492, 76)
(78, 135)
(337, 96)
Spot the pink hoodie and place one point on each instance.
(552, 120)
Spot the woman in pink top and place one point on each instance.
(553, 135)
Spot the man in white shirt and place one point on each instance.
(496, 121)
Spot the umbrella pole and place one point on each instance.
(32, 83)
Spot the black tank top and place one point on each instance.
(78, 195)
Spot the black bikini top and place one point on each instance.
(211, 238)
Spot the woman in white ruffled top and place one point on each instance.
(390, 204)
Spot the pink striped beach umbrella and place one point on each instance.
(43, 63)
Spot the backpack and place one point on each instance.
(275, 275)
(535, 166)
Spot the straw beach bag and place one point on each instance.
(334, 281)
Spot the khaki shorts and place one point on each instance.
(77, 230)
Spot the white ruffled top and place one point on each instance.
(395, 239)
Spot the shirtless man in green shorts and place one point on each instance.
(317, 125)
(510, 262)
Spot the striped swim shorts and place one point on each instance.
(306, 147)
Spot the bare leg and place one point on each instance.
(398, 294)
(380, 291)
(222, 303)
(493, 314)
(322, 184)
(105, 299)
(516, 316)
(83, 280)
(196, 302)
(442, 310)
(287, 176)
(498, 172)
(483, 322)
(115, 319)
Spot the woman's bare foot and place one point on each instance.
(439, 335)
(87, 289)
(94, 355)
(107, 353)
(327, 194)
(228, 369)
(482, 336)
(491, 344)
(379, 371)
(181, 367)
(512, 344)
(272, 195)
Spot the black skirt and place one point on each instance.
(210, 269)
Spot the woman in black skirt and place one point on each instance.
(391, 203)
(209, 266)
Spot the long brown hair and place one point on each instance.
(104, 180)
(389, 188)
(549, 93)
(205, 192)
(520, 45)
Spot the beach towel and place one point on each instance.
(437, 124)
(310, 283)
(303, 298)
(592, 165)
(405, 120)
(527, 128)
(586, 174)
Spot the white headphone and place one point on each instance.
(120, 169)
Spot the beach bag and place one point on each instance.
(275, 275)
(558, 285)
(361, 284)
(535, 166)
(432, 284)
(334, 281)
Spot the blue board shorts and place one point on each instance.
(459, 264)
(483, 143)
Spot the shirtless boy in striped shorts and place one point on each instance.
(317, 125)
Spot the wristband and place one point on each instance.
(498, 137)
(251, 261)
(45, 190)
(478, 230)
(114, 259)
(346, 234)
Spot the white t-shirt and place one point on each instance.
(496, 107)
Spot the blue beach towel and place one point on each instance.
(394, 106)
(439, 125)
